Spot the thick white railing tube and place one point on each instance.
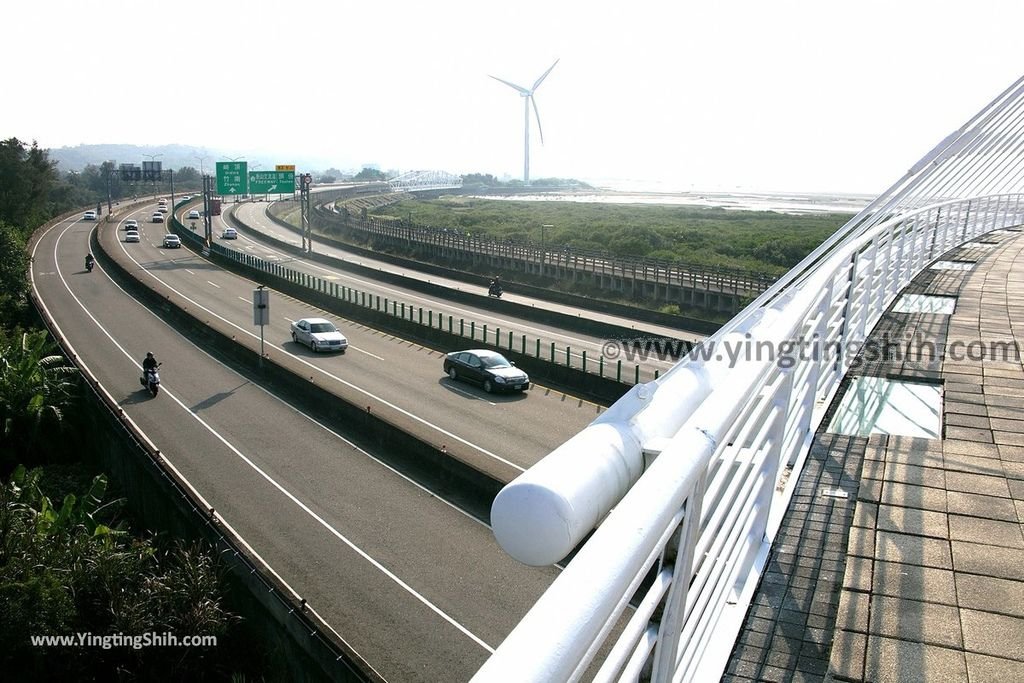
(547, 510)
(542, 515)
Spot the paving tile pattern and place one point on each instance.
(919, 574)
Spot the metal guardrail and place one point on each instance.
(625, 373)
(659, 272)
(702, 516)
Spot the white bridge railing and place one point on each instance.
(722, 427)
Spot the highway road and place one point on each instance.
(415, 585)
(253, 215)
(500, 434)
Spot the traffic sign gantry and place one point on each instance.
(232, 177)
(268, 182)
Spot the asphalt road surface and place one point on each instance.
(503, 434)
(416, 586)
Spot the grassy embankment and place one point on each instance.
(756, 241)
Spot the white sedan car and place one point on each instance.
(132, 236)
(319, 335)
(131, 224)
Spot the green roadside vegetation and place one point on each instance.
(757, 241)
(73, 559)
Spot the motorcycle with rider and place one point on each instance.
(150, 377)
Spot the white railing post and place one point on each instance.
(921, 250)
(900, 266)
(674, 612)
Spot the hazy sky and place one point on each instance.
(763, 95)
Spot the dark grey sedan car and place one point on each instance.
(489, 369)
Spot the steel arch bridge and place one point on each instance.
(421, 181)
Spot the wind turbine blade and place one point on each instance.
(512, 85)
(540, 80)
(537, 114)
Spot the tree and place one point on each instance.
(370, 174)
(26, 177)
(480, 179)
(13, 273)
(187, 175)
(36, 385)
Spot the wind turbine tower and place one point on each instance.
(527, 96)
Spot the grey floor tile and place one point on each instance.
(847, 659)
(977, 505)
(909, 520)
(986, 531)
(993, 634)
(899, 661)
(990, 594)
(924, 622)
(977, 483)
(910, 495)
(986, 669)
(914, 582)
(908, 549)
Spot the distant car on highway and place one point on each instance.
(172, 241)
(132, 236)
(319, 335)
(131, 224)
(89, 216)
(489, 369)
(229, 234)
(157, 217)
(193, 214)
(186, 198)
(162, 209)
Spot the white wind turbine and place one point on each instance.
(527, 96)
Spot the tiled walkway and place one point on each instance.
(919, 574)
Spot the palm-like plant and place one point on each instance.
(36, 385)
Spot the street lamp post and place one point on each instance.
(152, 157)
(255, 167)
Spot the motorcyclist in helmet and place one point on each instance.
(149, 363)
(89, 260)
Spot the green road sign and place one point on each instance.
(271, 182)
(232, 177)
